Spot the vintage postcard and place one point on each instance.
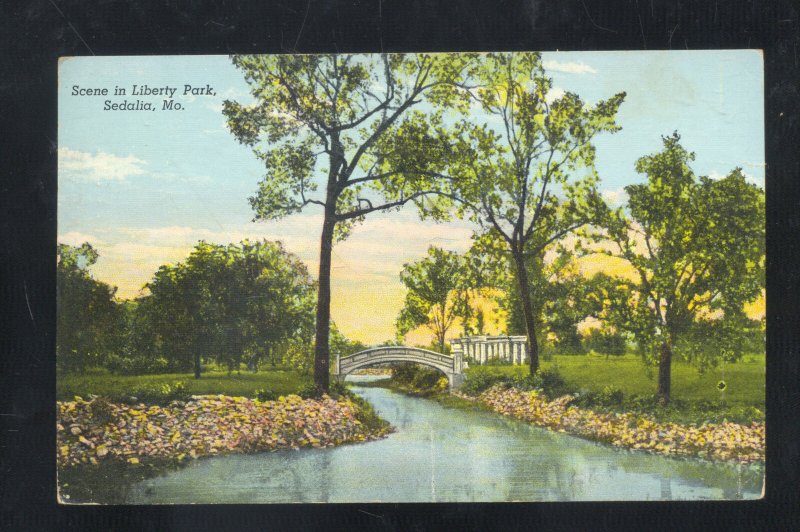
(488, 277)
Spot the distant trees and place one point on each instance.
(232, 303)
(697, 246)
(241, 303)
(89, 323)
(436, 293)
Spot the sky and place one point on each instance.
(144, 186)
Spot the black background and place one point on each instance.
(34, 34)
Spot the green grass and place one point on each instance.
(280, 381)
(591, 373)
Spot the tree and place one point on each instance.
(697, 245)
(229, 302)
(556, 289)
(517, 175)
(89, 321)
(436, 293)
(316, 123)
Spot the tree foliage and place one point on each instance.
(437, 293)
(233, 304)
(527, 175)
(556, 289)
(319, 124)
(697, 245)
(88, 320)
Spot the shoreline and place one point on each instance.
(727, 442)
(724, 442)
(94, 433)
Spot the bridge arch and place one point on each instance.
(451, 365)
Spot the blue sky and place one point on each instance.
(143, 187)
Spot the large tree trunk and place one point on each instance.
(664, 372)
(196, 364)
(527, 310)
(323, 325)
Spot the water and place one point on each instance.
(448, 455)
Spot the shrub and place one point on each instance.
(498, 362)
(263, 394)
(480, 379)
(551, 383)
(338, 389)
(611, 396)
(605, 342)
(425, 378)
(102, 410)
(404, 373)
(136, 365)
(310, 391)
(153, 393)
(366, 414)
(420, 378)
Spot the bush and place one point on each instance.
(606, 343)
(498, 362)
(338, 389)
(366, 414)
(611, 396)
(153, 393)
(551, 383)
(404, 373)
(425, 378)
(310, 391)
(420, 378)
(263, 394)
(136, 365)
(480, 379)
(102, 410)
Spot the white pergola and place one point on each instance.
(481, 349)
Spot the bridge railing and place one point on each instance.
(448, 363)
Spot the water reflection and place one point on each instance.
(440, 454)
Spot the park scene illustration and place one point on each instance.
(450, 277)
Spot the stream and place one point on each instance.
(440, 454)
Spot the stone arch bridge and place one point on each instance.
(451, 365)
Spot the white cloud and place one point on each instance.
(615, 197)
(716, 176)
(169, 176)
(569, 68)
(75, 238)
(233, 93)
(97, 167)
(554, 94)
(753, 179)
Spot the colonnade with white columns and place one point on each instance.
(482, 349)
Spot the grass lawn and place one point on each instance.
(280, 381)
(591, 373)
